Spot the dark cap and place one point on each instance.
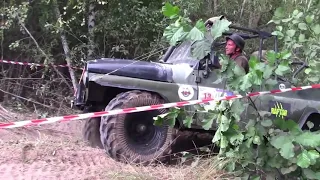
(238, 40)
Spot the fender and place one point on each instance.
(111, 85)
(109, 90)
(306, 114)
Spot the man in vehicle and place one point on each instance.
(234, 48)
(234, 45)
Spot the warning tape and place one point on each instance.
(35, 64)
(144, 108)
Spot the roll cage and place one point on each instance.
(248, 33)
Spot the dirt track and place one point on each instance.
(56, 151)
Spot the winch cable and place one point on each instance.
(139, 58)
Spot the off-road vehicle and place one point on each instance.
(110, 84)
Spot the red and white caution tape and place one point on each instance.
(144, 108)
(34, 64)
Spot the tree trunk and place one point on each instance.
(215, 7)
(65, 46)
(91, 24)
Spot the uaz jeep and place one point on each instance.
(110, 84)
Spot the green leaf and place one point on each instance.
(174, 34)
(295, 12)
(236, 139)
(266, 123)
(289, 169)
(302, 26)
(253, 61)
(309, 139)
(282, 70)
(314, 156)
(309, 19)
(207, 124)
(200, 25)
(158, 120)
(169, 10)
(271, 57)
(239, 71)
(246, 82)
(302, 38)
(286, 20)
(314, 79)
(260, 66)
(223, 142)
(257, 140)
(277, 33)
(217, 135)
(307, 71)
(303, 159)
(224, 123)
(291, 32)
(268, 72)
(170, 118)
(316, 29)
(287, 150)
(271, 83)
(279, 12)
(188, 121)
(310, 174)
(237, 107)
(285, 55)
(284, 143)
(200, 49)
(197, 32)
(219, 27)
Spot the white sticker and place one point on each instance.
(186, 92)
(211, 93)
(282, 86)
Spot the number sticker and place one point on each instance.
(209, 93)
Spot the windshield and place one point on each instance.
(182, 54)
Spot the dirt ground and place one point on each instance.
(57, 151)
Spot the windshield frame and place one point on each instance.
(182, 54)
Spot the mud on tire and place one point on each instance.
(91, 133)
(132, 137)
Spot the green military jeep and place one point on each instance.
(110, 84)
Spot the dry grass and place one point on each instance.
(205, 169)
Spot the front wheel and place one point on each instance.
(133, 137)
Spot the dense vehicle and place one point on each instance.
(110, 84)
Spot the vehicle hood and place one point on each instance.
(131, 68)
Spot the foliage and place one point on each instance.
(300, 32)
(264, 146)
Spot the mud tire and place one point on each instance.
(120, 144)
(91, 132)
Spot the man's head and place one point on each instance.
(234, 44)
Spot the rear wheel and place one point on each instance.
(133, 137)
(91, 133)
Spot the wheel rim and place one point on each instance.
(142, 136)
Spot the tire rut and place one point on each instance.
(66, 163)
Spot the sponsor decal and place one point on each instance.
(279, 109)
(186, 92)
(208, 93)
(282, 86)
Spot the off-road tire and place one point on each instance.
(91, 132)
(116, 141)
